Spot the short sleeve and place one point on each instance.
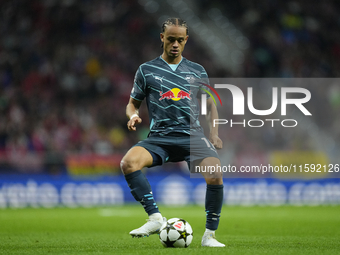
(204, 81)
(138, 90)
(204, 76)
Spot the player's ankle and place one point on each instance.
(156, 216)
(209, 231)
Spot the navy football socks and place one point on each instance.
(213, 205)
(141, 191)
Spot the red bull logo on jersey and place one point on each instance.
(175, 94)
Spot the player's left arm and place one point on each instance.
(213, 114)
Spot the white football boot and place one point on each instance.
(209, 239)
(152, 226)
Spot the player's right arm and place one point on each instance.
(136, 98)
(132, 112)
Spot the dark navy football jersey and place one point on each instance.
(171, 96)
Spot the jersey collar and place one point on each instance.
(174, 64)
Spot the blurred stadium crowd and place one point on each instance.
(67, 67)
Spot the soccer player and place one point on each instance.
(171, 84)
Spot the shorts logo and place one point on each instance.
(175, 94)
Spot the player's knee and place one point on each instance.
(214, 181)
(128, 165)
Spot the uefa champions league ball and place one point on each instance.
(176, 233)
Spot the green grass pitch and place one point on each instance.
(244, 230)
